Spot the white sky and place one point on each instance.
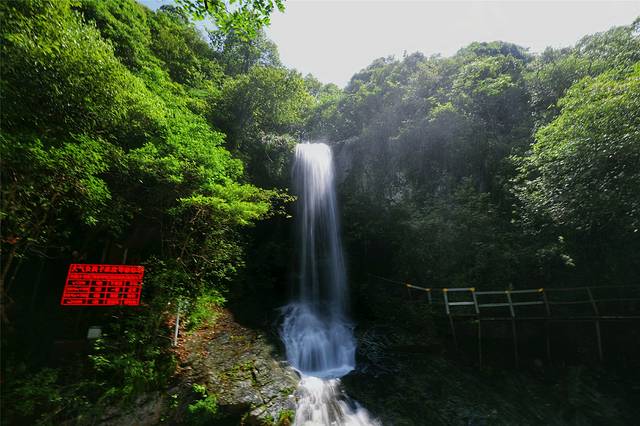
(333, 39)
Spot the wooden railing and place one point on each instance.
(594, 304)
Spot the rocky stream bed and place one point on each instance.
(399, 379)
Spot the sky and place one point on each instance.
(334, 39)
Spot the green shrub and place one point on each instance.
(42, 397)
(203, 312)
(286, 418)
(203, 411)
(132, 356)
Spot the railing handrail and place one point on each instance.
(516, 291)
(510, 303)
(550, 315)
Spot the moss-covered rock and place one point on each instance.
(242, 368)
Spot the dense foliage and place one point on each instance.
(494, 167)
(244, 17)
(112, 150)
(129, 137)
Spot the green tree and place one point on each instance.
(553, 72)
(105, 143)
(245, 17)
(60, 77)
(583, 172)
(257, 111)
(238, 55)
(42, 187)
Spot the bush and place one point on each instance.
(203, 312)
(204, 411)
(132, 356)
(42, 397)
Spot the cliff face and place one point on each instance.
(244, 371)
(343, 158)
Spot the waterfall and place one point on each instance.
(316, 332)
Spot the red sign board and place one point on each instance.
(103, 285)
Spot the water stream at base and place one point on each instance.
(316, 332)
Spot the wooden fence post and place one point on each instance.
(513, 329)
(451, 324)
(596, 322)
(479, 323)
(547, 324)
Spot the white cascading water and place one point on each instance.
(316, 332)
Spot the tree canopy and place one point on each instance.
(494, 167)
(123, 134)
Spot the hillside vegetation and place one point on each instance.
(129, 135)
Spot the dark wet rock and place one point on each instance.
(147, 409)
(242, 368)
(403, 386)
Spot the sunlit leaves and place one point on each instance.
(42, 184)
(113, 91)
(585, 165)
(59, 76)
(245, 17)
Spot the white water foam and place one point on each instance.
(322, 402)
(315, 347)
